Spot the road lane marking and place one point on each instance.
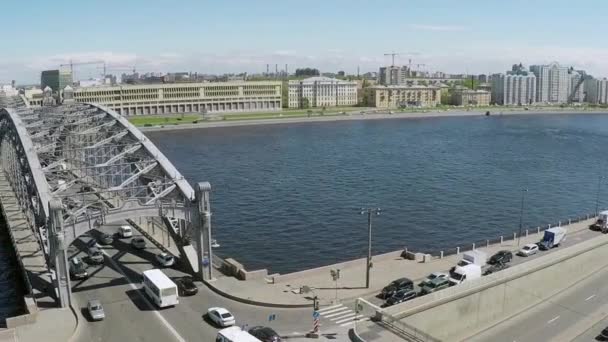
(357, 319)
(553, 320)
(330, 307)
(132, 285)
(333, 310)
(589, 297)
(342, 312)
(345, 318)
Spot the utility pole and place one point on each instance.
(597, 199)
(521, 214)
(370, 212)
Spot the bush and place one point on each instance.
(179, 119)
(148, 125)
(195, 121)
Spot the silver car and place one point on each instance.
(95, 255)
(96, 310)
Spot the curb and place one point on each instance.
(354, 337)
(254, 302)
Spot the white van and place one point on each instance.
(235, 334)
(125, 231)
(160, 288)
(461, 274)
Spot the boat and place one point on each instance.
(214, 243)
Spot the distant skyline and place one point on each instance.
(243, 36)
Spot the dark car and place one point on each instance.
(105, 239)
(399, 284)
(495, 268)
(501, 257)
(78, 269)
(186, 286)
(400, 297)
(435, 285)
(265, 334)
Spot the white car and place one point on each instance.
(138, 243)
(165, 259)
(125, 231)
(529, 249)
(221, 317)
(95, 310)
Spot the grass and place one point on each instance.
(162, 120)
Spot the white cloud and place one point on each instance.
(437, 28)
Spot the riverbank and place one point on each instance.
(374, 116)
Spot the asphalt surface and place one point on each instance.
(130, 317)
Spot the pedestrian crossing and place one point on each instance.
(341, 315)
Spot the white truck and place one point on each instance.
(461, 274)
(474, 257)
(552, 238)
(235, 334)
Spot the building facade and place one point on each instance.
(596, 90)
(209, 97)
(55, 79)
(576, 88)
(512, 90)
(552, 83)
(397, 96)
(468, 97)
(394, 75)
(321, 92)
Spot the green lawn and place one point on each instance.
(162, 120)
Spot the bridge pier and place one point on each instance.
(58, 254)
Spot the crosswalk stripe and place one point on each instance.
(356, 319)
(344, 318)
(330, 307)
(333, 310)
(342, 312)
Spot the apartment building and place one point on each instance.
(396, 96)
(512, 90)
(185, 97)
(596, 90)
(394, 75)
(469, 97)
(321, 92)
(552, 83)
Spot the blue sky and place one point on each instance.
(234, 36)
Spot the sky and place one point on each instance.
(233, 36)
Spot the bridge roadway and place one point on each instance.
(131, 318)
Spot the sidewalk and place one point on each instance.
(284, 291)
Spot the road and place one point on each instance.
(131, 318)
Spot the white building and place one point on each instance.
(322, 92)
(515, 90)
(552, 83)
(8, 90)
(597, 91)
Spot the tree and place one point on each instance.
(305, 103)
(307, 72)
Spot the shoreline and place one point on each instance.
(358, 117)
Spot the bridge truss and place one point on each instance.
(76, 167)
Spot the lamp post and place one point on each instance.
(369, 212)
(597, 198)
(521, 215)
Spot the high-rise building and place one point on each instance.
(596, 90)
(55, 79)
(394, 75)
(552, 83)
(321, 91)
(577, 86)
(513, 89)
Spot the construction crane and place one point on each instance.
(71, 65)
(109, 69)
(393, 57)
(582, 77)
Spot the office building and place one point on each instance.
(514, 90)
(552, 83)
(394, 75)
(469, 97)
(397, 96)
(321, 91)
(185, 97)
(596, 90)
(55, 79)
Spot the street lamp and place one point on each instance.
(597, 198)
(369, 212)
(521, 214)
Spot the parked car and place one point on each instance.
(400, 297)
(433, 276)
(92, 243)
(95, 255)
(221, 317)
(186, 286)
(138, 243)
(501, 257)
(95, 310)
(78, 269)
(125, 231)
(165, 259)
(529, 249)
(265, 334)
(435, 285)
(495, 268)
(105, 239)
(399, 284)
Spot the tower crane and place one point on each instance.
(393, 57)
(72, 64)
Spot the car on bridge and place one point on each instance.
(529, 249)
(138, 243)
(78, 269)
(265, 334)
(435, 285)
(95, 310)
(400, 297)
(165, 259)
(399, 284)
(186, 286)
(501, 257)
(125, 232)
(105, 239)
(221, 317)
(495, 268)
(432, 276)
(95, 255)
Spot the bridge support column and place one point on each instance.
(203, 231)
(58, 254)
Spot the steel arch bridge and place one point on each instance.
(75, 167)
